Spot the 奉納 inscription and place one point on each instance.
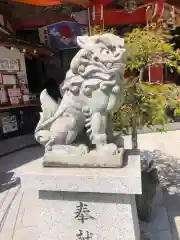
(82, 212)
(84, 235)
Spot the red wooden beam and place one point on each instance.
(115, 17)
(100, 2)
(119, 17)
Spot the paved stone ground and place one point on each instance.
(16, 221)
(19, 223)
(165, 149)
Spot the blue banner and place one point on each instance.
(63, 35)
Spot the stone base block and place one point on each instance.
(109, 156)
(54, 159)
(86, 203)
(72, 215)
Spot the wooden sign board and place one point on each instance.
(7, 64)
(156, 74)
(9, 123)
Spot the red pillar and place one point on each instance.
(156, 75)
(97, 15)
(96, 12)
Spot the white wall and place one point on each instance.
(15, 54)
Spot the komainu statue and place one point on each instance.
(80, 124)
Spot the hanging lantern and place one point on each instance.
(130, 6)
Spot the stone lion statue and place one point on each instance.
(92, 91)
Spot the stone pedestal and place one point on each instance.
(85, 203)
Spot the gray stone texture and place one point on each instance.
(126, 180)
(114, 216)
(168, 144)
(55, 159)
(108, 195)
(92, 91)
